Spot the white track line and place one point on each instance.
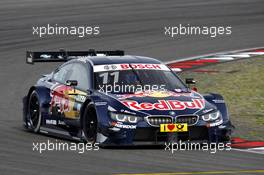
(218, 53)
(219, 58)
(254, 53)
(252, 150)
(237, 55)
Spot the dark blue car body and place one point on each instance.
(63, 107)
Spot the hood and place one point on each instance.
(164, 102)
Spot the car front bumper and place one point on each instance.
(153, 136)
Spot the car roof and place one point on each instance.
(101, 60)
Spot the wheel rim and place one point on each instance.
(91, 128)
(34, 111)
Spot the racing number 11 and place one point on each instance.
(105, 77)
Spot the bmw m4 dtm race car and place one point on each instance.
(108, 97)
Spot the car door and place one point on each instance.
(58, 104)
(74, 96)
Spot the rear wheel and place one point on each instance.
(33, 112)
(90, 124)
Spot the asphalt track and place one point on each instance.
(136, 27)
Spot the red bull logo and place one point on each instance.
(155, 94)
(60, 97)
(166, 105)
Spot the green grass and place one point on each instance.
(242, 85)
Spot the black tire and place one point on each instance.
(33, 112)
(89, 124)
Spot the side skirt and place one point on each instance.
(58, 132)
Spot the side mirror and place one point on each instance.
(189, 81)
(89, 91)
(71, 82)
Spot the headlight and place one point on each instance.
(124, 117)
(211, 116)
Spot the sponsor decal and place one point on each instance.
(219, 101)
(100, 103)
(166, 105)
(60, 122)
(207, 110)
(144, 66)
(181, 127)
(124, 126)
(59, 98)
(80, 98)
(156, 94)
(111, 67)
(66, 101)
(217, 123)
(51, 122)
(45, 56)
(128, 112)
(82, 58)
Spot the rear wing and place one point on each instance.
(64, 56)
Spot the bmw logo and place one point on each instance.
(114, 67)
(106, 67)
(172, 113)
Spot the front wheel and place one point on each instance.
(89, 123)
(33, 112)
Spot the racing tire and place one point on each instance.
(89, 124)
(34, 113)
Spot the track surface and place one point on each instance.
(136, 27)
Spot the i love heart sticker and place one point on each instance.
(179, 127)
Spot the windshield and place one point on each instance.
(133, 80)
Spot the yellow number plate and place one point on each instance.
(179, 127)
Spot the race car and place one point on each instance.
(110, 98)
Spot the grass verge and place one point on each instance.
(242, 85)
